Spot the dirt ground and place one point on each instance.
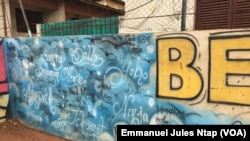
(14, 130)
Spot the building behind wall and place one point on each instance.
(167, 15)
(49, 11)
(156, 16)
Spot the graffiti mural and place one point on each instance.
(81, 87)
(4, 95)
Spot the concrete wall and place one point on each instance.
(4, 88)
(57, 15)
(5, 18)
(81, 87)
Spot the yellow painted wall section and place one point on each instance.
(177, 78)
(228, 61)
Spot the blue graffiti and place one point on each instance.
(81, 87)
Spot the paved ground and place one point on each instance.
(14, 130)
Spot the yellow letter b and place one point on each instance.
(177, 78)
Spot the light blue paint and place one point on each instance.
(80, 87)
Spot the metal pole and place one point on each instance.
(25, 18)
(4, 18)
(183, 15)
